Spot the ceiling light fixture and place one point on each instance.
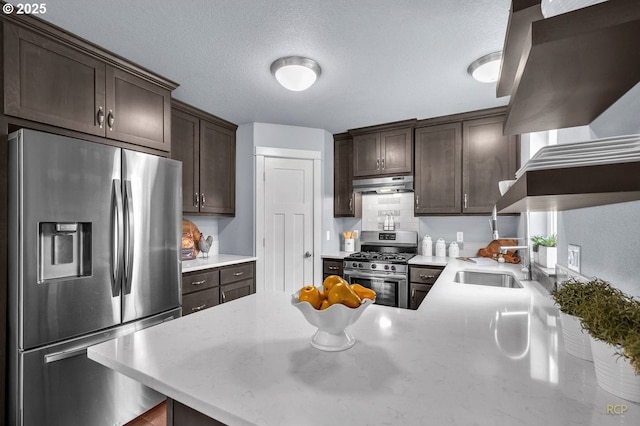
(295, 72)
(487, 68)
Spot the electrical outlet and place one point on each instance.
(573, 258)
(459, 237)
(328, 235)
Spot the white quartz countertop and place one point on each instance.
(336, 255)
(214, 261)
(470, 355)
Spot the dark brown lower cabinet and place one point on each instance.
(421, 279)
(180, 415)
(205, 289)
(332, 267)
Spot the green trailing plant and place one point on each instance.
(572, 295)
(548, 241)
(631, 351)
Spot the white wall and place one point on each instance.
(609, 236)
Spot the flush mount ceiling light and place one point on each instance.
(486, 68)
(295, 72)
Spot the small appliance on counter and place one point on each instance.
(383, 265)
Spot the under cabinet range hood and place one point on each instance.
(383, 185)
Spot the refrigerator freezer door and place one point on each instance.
(153, 223)
(63, 224)
(63, 387)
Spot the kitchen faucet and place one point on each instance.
(526, 270)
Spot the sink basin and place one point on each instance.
(493, 279)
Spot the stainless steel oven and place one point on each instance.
(391, 289)
(383, 265)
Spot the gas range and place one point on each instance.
(380, 261)
(383, 265)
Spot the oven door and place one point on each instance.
(391, 290)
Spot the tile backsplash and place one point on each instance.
(375, 208)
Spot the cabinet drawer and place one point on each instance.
(194, 302)
(199, 281)
(424, 275)
(332, 267)
(236, 273)
(237, 290)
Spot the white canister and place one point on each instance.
(349, 244)
(427, 246)
(454, 251)
(441, 248)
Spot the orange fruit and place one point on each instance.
(329, 282)
(311, 294)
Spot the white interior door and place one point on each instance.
(288, 223)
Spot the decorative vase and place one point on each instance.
(577, 342)
(547, 256)
(614, 373)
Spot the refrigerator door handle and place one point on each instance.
(117, 239)
(129, 233)
(59, 356)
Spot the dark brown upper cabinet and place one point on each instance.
(346, 203)
(487, 158)
(56, 79)
(566, 70)
(206, 145)
(384, 150)
(459, 160)
(438, 171)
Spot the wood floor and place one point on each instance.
(157, 416)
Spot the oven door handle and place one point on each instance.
(369, 275)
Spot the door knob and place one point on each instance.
(307, 254)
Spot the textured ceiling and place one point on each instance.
(382, 60)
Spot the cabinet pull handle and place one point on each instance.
(333, 268)
(202, 199)
(413, 294)
(378, 164)
(197, 200)
(466, 201)
(111, 119)
(417, 202)
(427, 277)
(383, 164)
(351, 203)
(100, 117)
(199, 308)
(224, 297)
(237, 274)
(198, 282)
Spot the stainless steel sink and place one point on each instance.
(493, 279)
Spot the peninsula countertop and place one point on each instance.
(214, 261)
(470, 355)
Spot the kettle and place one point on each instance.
(441, 248)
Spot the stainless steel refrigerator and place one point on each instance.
(94, 237)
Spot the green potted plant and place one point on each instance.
(612, 319)
(536, 240)
(547, 251)
(571, 296)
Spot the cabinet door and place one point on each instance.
(344, 199)
(217, 169)
(396, 151)
(137, 110)
(51, 83)
(417, 293)
(366, 155)
(438, 176)
(237, 290)
(332, 267)
(185, 138)
(488, 157)
(195, 302)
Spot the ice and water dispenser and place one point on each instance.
(64, 251)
